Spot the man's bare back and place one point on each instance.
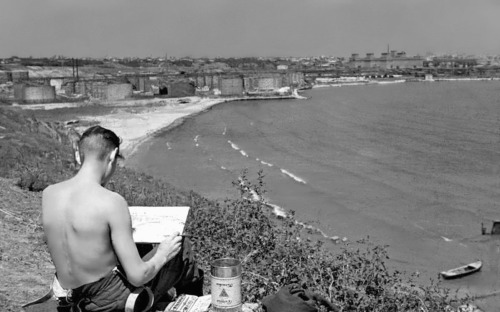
(76, 222)
(89, 229)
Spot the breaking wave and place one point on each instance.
(237, 148)
(277, 210)
(234, 146)
(266, 163)
(281, 213)
(291, 175)
(263, 162)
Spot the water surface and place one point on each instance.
(414, 165)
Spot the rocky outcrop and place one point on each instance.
(52, 130)
(62, 132)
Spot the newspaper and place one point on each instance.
(190, 303)
(153, 224)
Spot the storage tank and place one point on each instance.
(80, 87)
(231, 86)
(268, 83)
(200, 81)
(181, 89)
(209, 81)
(35, 94)
(118, 91)
(18, 91)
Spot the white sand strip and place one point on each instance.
(134, 121)
(136, 124)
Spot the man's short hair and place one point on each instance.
(98, 141)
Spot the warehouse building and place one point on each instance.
(389, 60)
(29, 94)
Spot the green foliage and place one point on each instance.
(30, 151)
(139, 189)
(275, 253)
(33, 179)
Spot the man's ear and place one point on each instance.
(113, 154)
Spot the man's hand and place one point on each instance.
(171, 246)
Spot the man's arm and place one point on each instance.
(137, 270)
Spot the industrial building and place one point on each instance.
(14, 76)
(450, 62)
(256, 83)
(119, 87)
(30, 94)
(100, 89)
(387, 60)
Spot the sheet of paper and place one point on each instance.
(152, 224)
(190, 303)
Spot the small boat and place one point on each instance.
(463, 270)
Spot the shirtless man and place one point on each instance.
(89, 234)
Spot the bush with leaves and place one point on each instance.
(33, 179)
(274, 253)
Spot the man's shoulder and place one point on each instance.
(114, 200)
(53, 188)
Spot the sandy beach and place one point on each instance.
(134, 121)
(136, 124)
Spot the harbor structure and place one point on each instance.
(387, 60)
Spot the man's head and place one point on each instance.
(101, 145)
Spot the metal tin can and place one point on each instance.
(226, 285)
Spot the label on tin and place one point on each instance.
(226, 292)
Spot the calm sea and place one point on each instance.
(415, 166)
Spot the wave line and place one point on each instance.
(291, 175)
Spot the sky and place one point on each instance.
(239, 28)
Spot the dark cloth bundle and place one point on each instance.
(293, 298)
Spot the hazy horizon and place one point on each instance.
(237, 28)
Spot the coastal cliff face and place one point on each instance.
(32, 154)
(25, 265)
(29, 146)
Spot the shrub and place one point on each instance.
(33, 179)
(275, 253)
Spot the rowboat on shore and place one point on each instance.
(463, 270)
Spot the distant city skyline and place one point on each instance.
(238, 28)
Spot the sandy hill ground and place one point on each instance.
(25, 265)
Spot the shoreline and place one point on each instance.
(368, 82)
(168, 119)
(137, 121)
